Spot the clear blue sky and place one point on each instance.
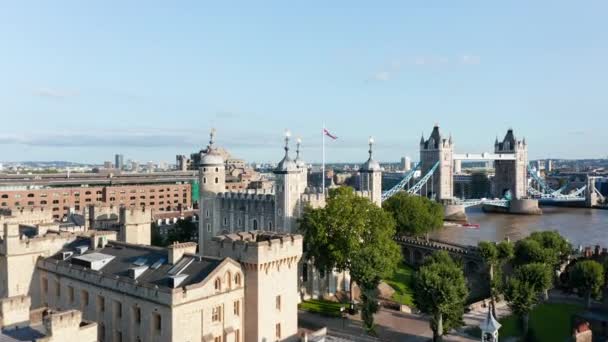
(82, 80)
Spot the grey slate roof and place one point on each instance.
(126, 255)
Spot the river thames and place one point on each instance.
(581, 226)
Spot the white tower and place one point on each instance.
(288, 189)
(371, 177)
(212, 180)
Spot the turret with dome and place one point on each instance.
(371, 176)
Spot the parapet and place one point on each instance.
(258, 247)
(59, 321)
(14, 310)
(249, 196)
(29, 215)
(135, 215)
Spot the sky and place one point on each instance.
(83, 80)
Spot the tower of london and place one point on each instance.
(278, 209)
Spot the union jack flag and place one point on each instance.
(326, 132)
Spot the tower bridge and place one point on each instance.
(512, 190)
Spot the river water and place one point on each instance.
(581, 226)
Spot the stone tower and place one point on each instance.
(371, 177)
(301, 165)
(135, 225)
(511, 179)
(270, 261)
(437, 149)
(212, 181)
(289, 186)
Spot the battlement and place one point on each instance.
(262, 195)
(29, 215)
(258, 247)
(14, 310)
(62, 320)
(135, 215)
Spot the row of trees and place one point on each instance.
(535, 263)
(351, 233)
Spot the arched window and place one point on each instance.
(217, 169)
(5, 196)
(204, 180)
(225, 221)
(217, 180)
(30, 195)
(218, 284)
(269, 225)
(228, 280)
(255, 224)
(237, 279)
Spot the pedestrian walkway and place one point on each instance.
(391, 326)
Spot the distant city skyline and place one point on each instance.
(85, 81)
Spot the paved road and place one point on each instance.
(391, 326)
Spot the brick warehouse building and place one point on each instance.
(62, 194)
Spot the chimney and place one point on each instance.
(177, 250)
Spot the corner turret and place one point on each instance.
(371, 176)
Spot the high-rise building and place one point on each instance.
(119, 161)
(107, 164)
(406, 163)
(134, 166)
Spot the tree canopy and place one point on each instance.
(522, 298)
(414, 215)
(441, 292)
(352, 233)
(587, 277)
(545, 247)
(538, 275)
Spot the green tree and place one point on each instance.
(352, 233)
(522, 298)
(545, 247)
(156, 238)
(441, 292)
(183, 230)
(414, 215)
(536, 274)
(587, 277)
(489, 253)
(505, 251)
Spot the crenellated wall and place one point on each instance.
(270, 262)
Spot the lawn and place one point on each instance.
(550, 322)
(323, 307)
(402, 282)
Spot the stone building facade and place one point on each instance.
(18, 323)
(270, 263)
(275, 210)
(244, 291)
(61, 201)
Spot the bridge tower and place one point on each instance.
(591, 196)
(511, 177)
(437, 149)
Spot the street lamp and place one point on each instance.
(343, 314)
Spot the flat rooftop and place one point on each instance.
(92, 179)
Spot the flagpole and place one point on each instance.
(323, 164)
